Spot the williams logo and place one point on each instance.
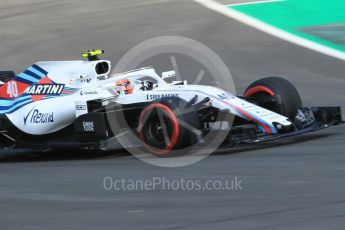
(45, 89)
(36, 117)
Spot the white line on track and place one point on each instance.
(254, 2)
(253, 22)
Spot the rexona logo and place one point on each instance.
(36, 117)
(45, 89)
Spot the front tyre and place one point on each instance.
(167, 125)
(280, 95)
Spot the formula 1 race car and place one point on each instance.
(79, 105)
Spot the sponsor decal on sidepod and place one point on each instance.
(45, 89)
(36, 117)
(81, 107)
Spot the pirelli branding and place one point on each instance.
(45, 89)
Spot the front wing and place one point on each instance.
(316, 118)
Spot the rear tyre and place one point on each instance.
(6, 76)
(284, 96)
(168, 125)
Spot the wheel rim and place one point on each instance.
(262, 92)
(159, 129)
(259, 89)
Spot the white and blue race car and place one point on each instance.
(79, 105)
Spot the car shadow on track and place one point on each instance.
(273, 144)
(62, 156)
(93, 155)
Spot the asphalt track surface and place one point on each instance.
(296, 183)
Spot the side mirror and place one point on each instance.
(169, 74)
